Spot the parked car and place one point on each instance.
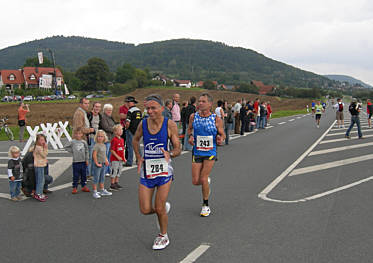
(71, 97)
(39, 98)
(47, 98)
(7, 99)
(28, 98)
(60, 97)
(90, 96)
(17, 98)
(99, 96)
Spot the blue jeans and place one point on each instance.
(47, 181)
(227, 129)
(90, 162)
(263, 121)
(257, 122)
(187, 145)
(39, 178)
(14, 188)
(79, 173)
(108, 153)
(98, 174)
(354, 119)
(129, 137)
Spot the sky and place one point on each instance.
(322, 36)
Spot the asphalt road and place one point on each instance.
(301, 218)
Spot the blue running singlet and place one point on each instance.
(205, 132)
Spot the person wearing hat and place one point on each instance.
(134, 117)
(354, 109)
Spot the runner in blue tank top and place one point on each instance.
(205, 130)
(155, 166)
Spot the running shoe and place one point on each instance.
(104, 192)
(74, 191)
(161, 242)
(96, 195)
(168, 208)
(119, 186)
(205, 211)
(86, 189)
(40, 198)
(113, 187)
(14, 199)
(107, 175)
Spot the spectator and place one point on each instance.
(263, 115)
(176, 116)
(94, 118)
(236, 110)
(117, 158)
(219, 110)
(22, 111)
(123, 110)
(354, 109)
(40, 162)
(269, 112)
(228, 125)
(107, 124)
(369, 112)
(339, 113)
(80, 119)
(167, 109)
(183, 115)
(15, 173)
(243, 118)
(190, 109)
(133, 120)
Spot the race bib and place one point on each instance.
(205, 143)
(156, 167)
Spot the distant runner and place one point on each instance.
(319, 109)
(205, 131)
(155, 166)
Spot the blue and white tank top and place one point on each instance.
(205, 132)
(155, 165)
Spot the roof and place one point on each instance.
(6, 73)
(38, 72)
(182, 81)
(263, 89)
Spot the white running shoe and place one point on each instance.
(104, 192)
(96, 195)
(209, 180)
(168, 208)
(205, 211)
(161, 242)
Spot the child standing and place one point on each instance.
(100, 160)
(117, 157)
(79, 148)
(40, 162)
(15, 173)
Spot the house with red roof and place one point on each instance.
(11, 78)
(263, 89)
(182, 83)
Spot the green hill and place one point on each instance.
(180, 58)
(348, 79)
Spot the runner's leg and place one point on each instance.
(145, 200)
(160, 206)
(196, 171)
(205, 173)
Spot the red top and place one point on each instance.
(117, 145)
(256, 106)
(369, 103)
(123, 109)
(269, 109)
(22, 113)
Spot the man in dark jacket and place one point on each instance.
(354, 108)
(243, 117)
(134, 117)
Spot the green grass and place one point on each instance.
(286, 113)
(173, 88)
(15, 130)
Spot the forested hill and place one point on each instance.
(181, 58)
(350, 80)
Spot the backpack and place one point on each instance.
(340, 107)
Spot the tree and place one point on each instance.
(95, 75)
(34, 62)
(141, 77)
(72, 82)
(124, 73)
(247, 88)
(208, 84)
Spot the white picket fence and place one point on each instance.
(53, 133)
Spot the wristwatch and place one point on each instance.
(171, 154)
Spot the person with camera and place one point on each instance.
(22, 111)
(354, 108)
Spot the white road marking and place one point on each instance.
(299, 117)
(346, 127)
(282, 122)
(292, 120)
(195, 254)
(343, 133)
(6, 196)
(264, 193)
(344, 139)
(324, 166)
(344, 148)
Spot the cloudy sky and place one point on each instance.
(323, 36)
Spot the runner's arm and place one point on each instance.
(190, 130)
(219, 126)
(136, 142)
(174, 136)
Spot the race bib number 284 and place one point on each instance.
(156, 167)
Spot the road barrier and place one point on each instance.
(52, 132)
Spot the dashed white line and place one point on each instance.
(292, 120)
(344, 148)
(195, 254)
(344, 139)
(342, 133)
(280, 123)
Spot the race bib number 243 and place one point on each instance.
(205, 143)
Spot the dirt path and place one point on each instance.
(64, 110)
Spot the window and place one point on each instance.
(32, 77)
(12, 77)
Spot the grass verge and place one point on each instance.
(286, 113)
